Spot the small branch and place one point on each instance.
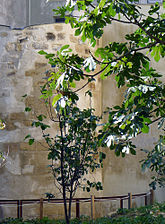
(148, 33)
(120, 21)
(82, 87)
(137, 23)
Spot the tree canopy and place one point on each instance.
(144, 102)
(129, 61)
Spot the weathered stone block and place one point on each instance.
(73, 39)
(13, 46)
(50, 36)
(10, 47)
(14, 118)
(56, 47)
(18, 46)
(36, 103)
(58, 27)
(36, 146)
(11, 73)
(31, 73)
(92, 86)
(40, 65)
(39, 46)
(28, 169)
(12, 146)
(61, 36)
(82, 49)
(3, 34)
(11, 65)
(4, 93)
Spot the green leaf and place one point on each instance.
(157, 54)
(31, 141)
(73, 84)
(42, 52)
(40, 117)
(102, 156)
(77, 32)
(133, 152)
(102, 3)
(88, 189)
(44, 126)
(89, 93)
(147, 120)
(145, 129)
(123, 126)
(111, 11)
(56, 98)
(64, 47)
(83, 37)
(27, 136)
(24, 95)
(27, 109)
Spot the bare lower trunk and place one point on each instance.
(70, 204)
(67, 218)
(62, 176)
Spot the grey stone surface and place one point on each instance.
(21, 13)
(13, 13)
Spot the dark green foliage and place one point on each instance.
(144, 101)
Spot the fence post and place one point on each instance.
(41, 208)
(145, 200)
(121, 203)
(151, 197)
(18, 211)
(77, 209)
(129, 200)
(92, 207)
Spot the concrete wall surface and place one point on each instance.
(120, 174)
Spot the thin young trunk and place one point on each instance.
(67, 218)
(70, 202)
(62, 176)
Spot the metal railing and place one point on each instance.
(149, 196)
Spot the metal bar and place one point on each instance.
(20, 208)
(129, 200)
(18, 213)
(151, 197)
(92, 207)
(41, 208)
(77, 209)
(121, 203)
(145, 200)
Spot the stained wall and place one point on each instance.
(121, 175)
(21, 71)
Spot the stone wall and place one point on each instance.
(21, 71)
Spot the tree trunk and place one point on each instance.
(67, 219)
(70, 203)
